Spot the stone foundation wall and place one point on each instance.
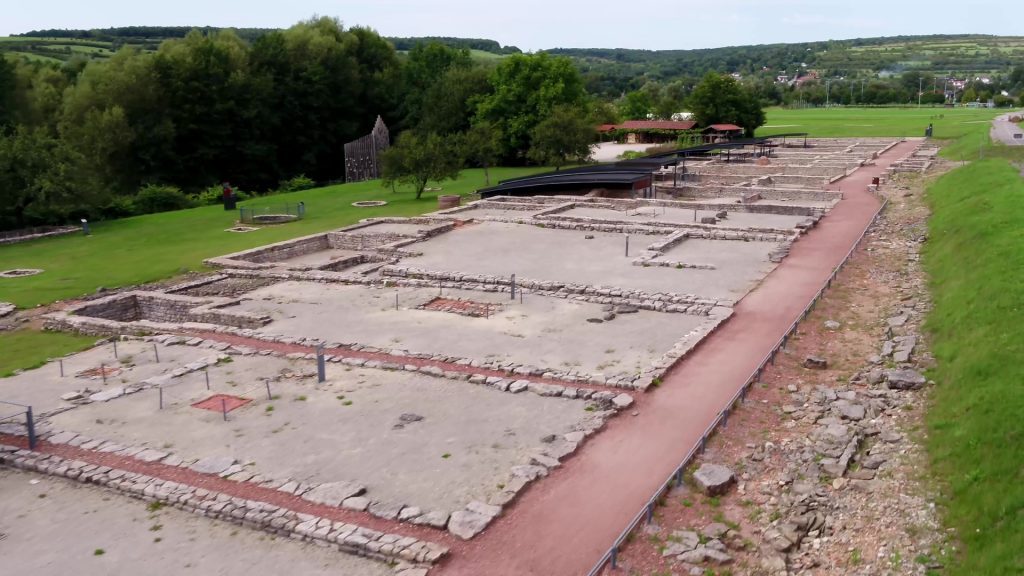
(26, 234)
(146, 312)
(282, 522)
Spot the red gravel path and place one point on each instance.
(231, 488)
(282, 348)
(562, 526)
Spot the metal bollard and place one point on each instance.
(161, 389)
(61, 360)
(224, 408)
(156, 352)
(115, 348)
(206, 372)
(627, 245)
(512, 286)
(267, 382)
(103, 372)
(30, 426)
(321, 369)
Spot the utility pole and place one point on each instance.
(828, 92)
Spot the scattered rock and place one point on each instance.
(832, 325)
(905, 379)
(815, 363)
(713, 479)
(334, 493)
(213, 464)
(465, 524)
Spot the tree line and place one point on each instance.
(145, 131)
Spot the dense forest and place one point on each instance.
(143, 131)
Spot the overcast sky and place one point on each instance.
(539, 24)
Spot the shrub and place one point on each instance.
(118, 207)
(300, 182)
(159, 198)
(214, 195)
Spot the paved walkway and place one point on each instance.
(1003, 130)
(565, 523)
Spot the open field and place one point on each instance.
(156, 246)
(975, 428)
(949, 123)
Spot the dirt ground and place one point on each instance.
(345, 429)
(54, 526)
(539, 331)
(570, 257)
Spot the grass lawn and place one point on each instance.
(975, 259)
(852, 122)
(25, 349)
(157, 246)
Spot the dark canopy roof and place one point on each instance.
(613, 174)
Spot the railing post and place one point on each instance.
(30, 425)
(615, 556)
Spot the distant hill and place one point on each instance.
(61, 45)
(614, 70)
(611, 71)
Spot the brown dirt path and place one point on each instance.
(562, 526)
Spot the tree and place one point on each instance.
(481, 146)
(418, 158)
(636, 105)
(449, 104)
(969, 95)
(425, 68)
(721, 99)
(564, 136)
(526, 90)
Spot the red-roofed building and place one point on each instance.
(721, 133)
(646, 131)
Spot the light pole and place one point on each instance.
(919, 81)
(828, 92)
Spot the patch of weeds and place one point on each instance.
(589, 408)
(156, 527)
(855, 557)
(275, 397)
(157, 540)
(155, 506)
(269, 408)
(300, 398)
(225, 360)
(501, 486)
(714, 501)
(687, 503)
(42, 496)
(346, 403)
(340, 396)
(775, 515)
(446, 455)
(99, 552)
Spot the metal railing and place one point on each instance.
(647, 512)
(30, 425)
(274, 214)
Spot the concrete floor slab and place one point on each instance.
(688, 216)
(42, 388)
(501, 249)
(540, 331)
(344, 429)
(54, 526)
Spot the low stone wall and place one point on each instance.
(276, 520)
(139, 312)
(26, 234)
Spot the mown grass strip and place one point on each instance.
(975, 259)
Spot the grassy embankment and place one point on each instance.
(158, 246)
(975, 259)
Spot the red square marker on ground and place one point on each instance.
(215, 403)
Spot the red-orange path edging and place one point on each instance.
(283, 348)
(562, 526)
(231, 488)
